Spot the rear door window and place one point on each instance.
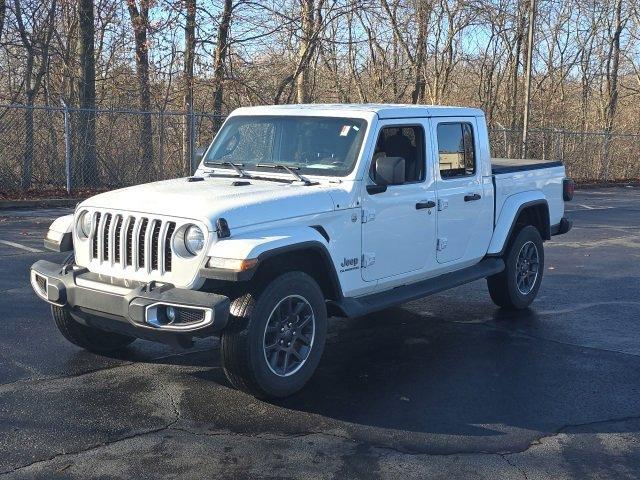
(456, 150)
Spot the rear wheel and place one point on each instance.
(89, 338)
(275, 336)
(517, 286)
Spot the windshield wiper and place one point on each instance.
(288, 169)
(236, 166)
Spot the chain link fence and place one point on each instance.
(588, 156)
(53, 150)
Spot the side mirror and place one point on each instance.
(198, 154)
(389, 171)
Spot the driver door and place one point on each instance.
(398, 224)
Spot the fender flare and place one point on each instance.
(59, 237)
(263, 245)
(511, 209)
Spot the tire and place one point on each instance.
(510, 289)
(89, 338)
(248, 348)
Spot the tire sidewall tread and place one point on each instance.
(89, 338)
(503, 286)
(242, 341)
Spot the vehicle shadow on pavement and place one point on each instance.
(401, 371)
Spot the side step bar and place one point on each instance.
(358, 306)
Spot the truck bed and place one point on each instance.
(512, 177)
(508, 165)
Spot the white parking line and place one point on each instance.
(22, 247)
(587, 207)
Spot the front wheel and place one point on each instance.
(275, 337)
(517, 285)
(89, 338)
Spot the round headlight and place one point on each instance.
(85, 222)
(194, 240)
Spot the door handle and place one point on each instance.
(425, 204)
(472, 197)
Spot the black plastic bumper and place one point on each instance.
(563, 227)
(116, 306)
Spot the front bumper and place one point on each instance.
(131, 308)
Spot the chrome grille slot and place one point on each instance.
(117, 239)
(127, 242)
(105, 236)
(155, 239)
(141, 242)
(94, 240)
(167, 246)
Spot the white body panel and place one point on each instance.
(59, 228)
(62, 224)
(397, 238)
(516, 189)
(267, 215)
(548, 181)
(457, 217)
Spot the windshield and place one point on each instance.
(312, 145)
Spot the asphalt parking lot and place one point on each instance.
(445, 387)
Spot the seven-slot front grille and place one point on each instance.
(131, 241)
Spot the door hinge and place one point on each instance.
(368, 215)
(368, 259)
(442, 204)
(442, 244)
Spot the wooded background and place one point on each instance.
(213, 56)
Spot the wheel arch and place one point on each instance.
(516, 213)
(310, 257)
(304, 248)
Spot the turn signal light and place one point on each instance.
(237, 265)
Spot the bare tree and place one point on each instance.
(305, 49)
(35, 27)
(140, 23)
(189, 59)
(492, 73)
(222, 48)
(529, 73)
(311, 22)
(87, 161)
(451, 20)
(513, 38)
(3, 12)
(420, 14)
(610, 87)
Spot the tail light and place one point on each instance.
(568, 188)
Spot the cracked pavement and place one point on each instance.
(445, 387)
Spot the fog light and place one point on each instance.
(171, 314)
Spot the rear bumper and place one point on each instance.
(134, 309)
(563, 227)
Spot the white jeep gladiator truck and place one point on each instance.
(297, 213)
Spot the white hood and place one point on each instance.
(215, 197)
